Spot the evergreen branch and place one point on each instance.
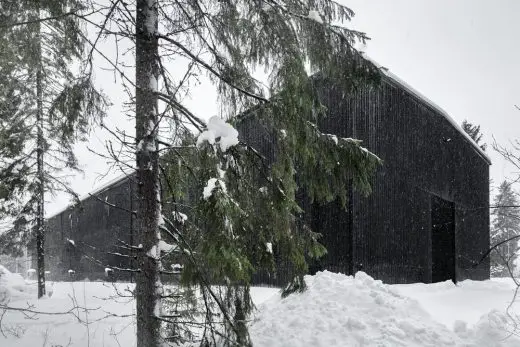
(30, 313)
(108, 60)
(40, 20)
(211, 69)
(122, 255)
(102, 28)
(113, 205)
(99, 263)
(179, 107)
(204, 281)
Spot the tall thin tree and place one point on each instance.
(148, 282)
(56, 109)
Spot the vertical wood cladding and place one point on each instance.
(96, 231)
(388, 234)
(424, 156)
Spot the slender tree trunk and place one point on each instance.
(148, 283)
(40, 143)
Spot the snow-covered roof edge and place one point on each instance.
(101, 188)
(431, 104)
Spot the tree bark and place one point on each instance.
(148, 283)
(40, 181)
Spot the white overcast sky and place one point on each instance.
(461, 54)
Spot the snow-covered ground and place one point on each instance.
(339, 310)
(336, 310)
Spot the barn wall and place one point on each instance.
(387, 234)
(96, 230)
(423, 155)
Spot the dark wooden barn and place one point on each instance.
(82, 242)
(427, 219)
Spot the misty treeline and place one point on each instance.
(504, 211)
(215, 203)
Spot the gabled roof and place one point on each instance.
(108, 185)
(396, 80)
(391, 77)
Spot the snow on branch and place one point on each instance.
(218, 131)
(315, 16)
(161, 247)
(343, 141)
(179, 217)
(211, 185)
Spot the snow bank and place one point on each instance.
(13, 286)
(336, 310)
(339, 310)
(467, 301)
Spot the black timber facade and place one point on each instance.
(428, 216)
(82, 242)
(427, 219)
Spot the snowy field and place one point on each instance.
(336, 310)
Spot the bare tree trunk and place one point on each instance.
(40, 143)
(148, 282)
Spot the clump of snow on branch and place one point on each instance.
(269, 247)
(179, 217)
(152, 253)
(218, 131)
(211, 185)
(315, 16)
(333, 137)
(71, 242)
(165, 246)
(161, 246)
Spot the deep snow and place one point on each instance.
(339, 310)
(336, 310)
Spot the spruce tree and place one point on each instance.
(244, 204)
(242, 214)
(474, 132)
(506, 224)
(55, 108)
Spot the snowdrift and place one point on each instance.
(13, 286)
(340, 310)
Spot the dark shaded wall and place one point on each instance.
(424, 155)
(97, 231)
